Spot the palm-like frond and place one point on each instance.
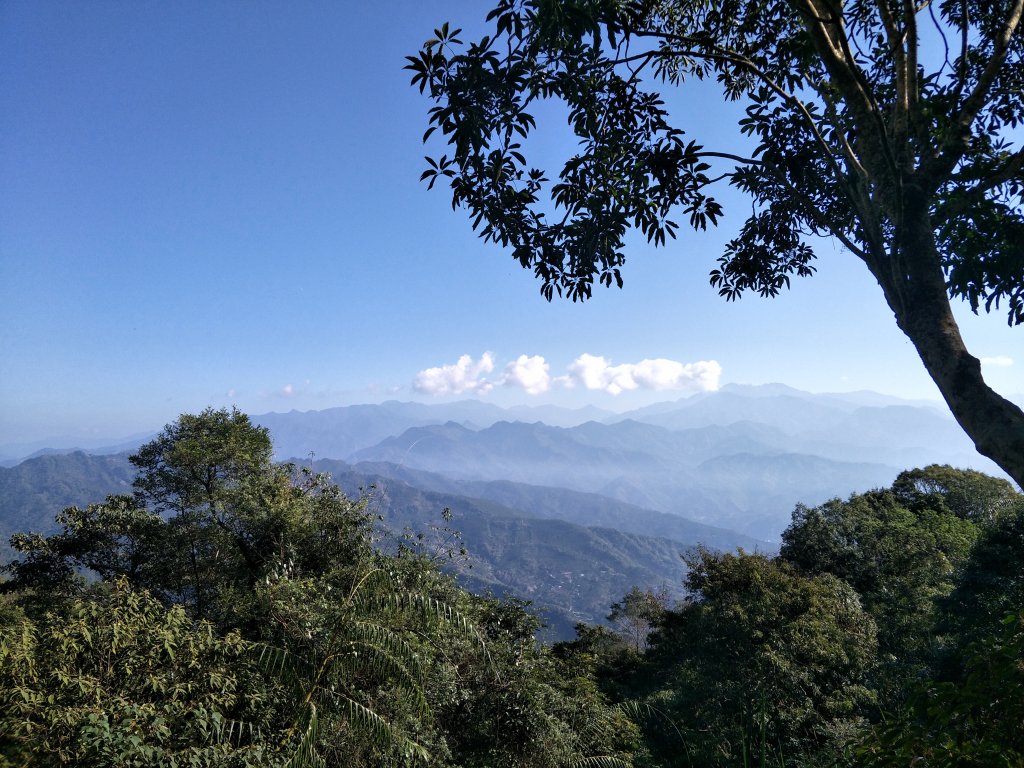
(361, 636)
(281, 663)
(381, 664)
(305, 755)
(599, 761)
(234, 732)
(382, 731)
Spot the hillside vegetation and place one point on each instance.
(234, 611)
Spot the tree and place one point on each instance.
(119, 679)
(968, 494)
(212, 517)
(637, 613)
(762, 659)
(862, 134)
(968, 712)
(972, 722)
(899, 560)
(990, 585)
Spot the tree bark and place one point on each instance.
(915, 289)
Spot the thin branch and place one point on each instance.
(830, 110)
(965, 24)
(1011, 169)
(956, 145)
(814, 215)
(728, 156)
(1001, 45)
(945, 42)
(716, 53)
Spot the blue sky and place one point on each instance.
(218, 203)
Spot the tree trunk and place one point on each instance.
(915, 288)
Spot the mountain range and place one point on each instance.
(568, 508)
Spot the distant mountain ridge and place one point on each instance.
(588, 509)
(787, 446)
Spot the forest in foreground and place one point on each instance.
(234, 612)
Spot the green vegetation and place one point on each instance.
(888, 631)
(236, 612)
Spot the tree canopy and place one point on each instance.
(236, 612)
(248, 619)
(886, 126)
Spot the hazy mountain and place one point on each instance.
(339, 432)
(687, 473)
(572, 572)
(739, 458)
(589, 509)
(34, 491)
(849, 427)
(16, 454)
(790, 413)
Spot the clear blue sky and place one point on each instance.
(207, 203)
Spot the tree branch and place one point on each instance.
(834, 50)
(1011, 169)
(729, 156)
(895, 42)
(957, 144)
(716, 53)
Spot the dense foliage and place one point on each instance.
(886, 632)
(235, 612)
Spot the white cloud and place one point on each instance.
(529, 373)
(596, 372)
(288, 390)
(232, 393)
(464, 376)
(999, 361)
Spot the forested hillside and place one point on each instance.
(235, 611)
(571, 554)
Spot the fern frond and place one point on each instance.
(600, 725)
(282, 663)
(599, 761)
(383, 665)
(430, 609)
(382, 732)
(373, 634)
(305, 754)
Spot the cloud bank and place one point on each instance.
(458, 379)
(532, 375)
(529, 374)
(659, 374)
